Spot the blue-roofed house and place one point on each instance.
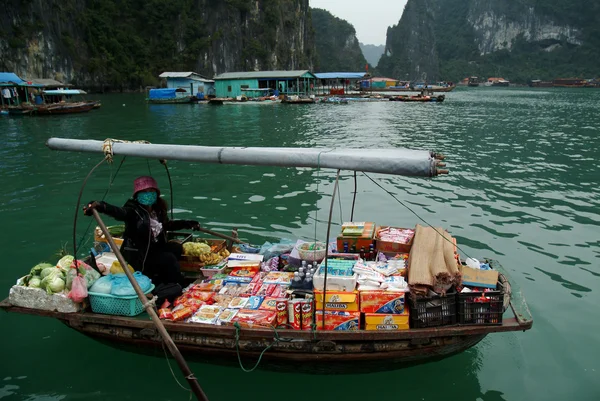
(193, 83)
(234, 84)
(14, 91)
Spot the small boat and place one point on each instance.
(297, 100)
(3, 112)
(24, 110)
(317, 351)
(59, 101)
(169, 96)
(418, 98)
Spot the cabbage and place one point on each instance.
(48, 270)
(65, 263)
(37, 269)
(34, 282)
(53, 282)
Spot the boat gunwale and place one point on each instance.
(77, 319)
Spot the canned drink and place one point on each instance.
(295, 313)
(307, 314)
(281, 306)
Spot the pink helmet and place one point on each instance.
(144, 182)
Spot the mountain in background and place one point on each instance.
(126, 44)
(518, 40)
(372, 53)
(338, 49)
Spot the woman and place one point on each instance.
(145, 244)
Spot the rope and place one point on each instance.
(173, 373)
(111, 181)
(413, 212)
(238, 328)
(107, 147)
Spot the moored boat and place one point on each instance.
(387, 349)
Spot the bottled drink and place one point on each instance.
(297, 281)
(353, 248)
(362, 253)
(301, 273)
(346, 247)
(308, 282)
(371, 252)
(304, 264)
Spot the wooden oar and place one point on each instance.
(189, 376)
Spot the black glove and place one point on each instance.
(193, 225)
(99, 206)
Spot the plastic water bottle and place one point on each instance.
(308, 281)
(297, 281)
(304, 264)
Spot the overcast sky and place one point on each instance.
(370, 18)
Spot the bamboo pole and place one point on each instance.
(337, 179)
(218, 234)
(189, 376)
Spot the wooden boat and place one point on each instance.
(297, 100)
(339, 350)
(64, 108)
(433, 88)
(331, 350)
(418, 98)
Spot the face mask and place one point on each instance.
(147, 198)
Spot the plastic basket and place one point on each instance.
(208, 272)
(438, 310)
(312, 255)
(108, 304)
(481, 308)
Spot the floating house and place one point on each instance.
(191, 82)
(48, 83)
(15, 91)
(338, 83)
(377, 83)
(235, 84)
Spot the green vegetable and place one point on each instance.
(34, 282)
(53, 282)
(47, 271)
(37, 269)
(65, 263)
(116, 231)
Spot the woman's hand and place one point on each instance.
(193, 225)
(87, 209)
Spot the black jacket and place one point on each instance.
(137, 238)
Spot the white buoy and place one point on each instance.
(123, 104)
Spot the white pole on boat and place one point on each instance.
(189, 376)
(335, 187)
(407, 162)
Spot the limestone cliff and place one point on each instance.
(516, 39)
(126, 44)
(338, 48)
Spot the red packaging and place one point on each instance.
(266, 290)
(165, 313)
(280, 291)
(281, 306)
(201, 295)
(252, 318)
(307, 314)
(193, 303)
(295, 313)
(182, 313)
(165, 304)
(269, 303)
(180, 300)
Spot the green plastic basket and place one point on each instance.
(108, 304)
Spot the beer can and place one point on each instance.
(281, 306)
(295, 313)
(307, 314)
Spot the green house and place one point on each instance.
(260, 83)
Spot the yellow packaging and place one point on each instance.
(338, 301)
(116, 268)
(380, 321)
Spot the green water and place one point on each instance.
(523, 189)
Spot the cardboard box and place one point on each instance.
(380, 321)
(389, 302)
(385, 246)
(363, 240)
(338, 320)
(479, 278)
(338, 301)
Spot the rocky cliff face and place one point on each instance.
(451, 39)
(338, 48)
(126, 44)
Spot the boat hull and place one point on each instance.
(64, 108)
(339, 350)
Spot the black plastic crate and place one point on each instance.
(437, 310)
(481, 307)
